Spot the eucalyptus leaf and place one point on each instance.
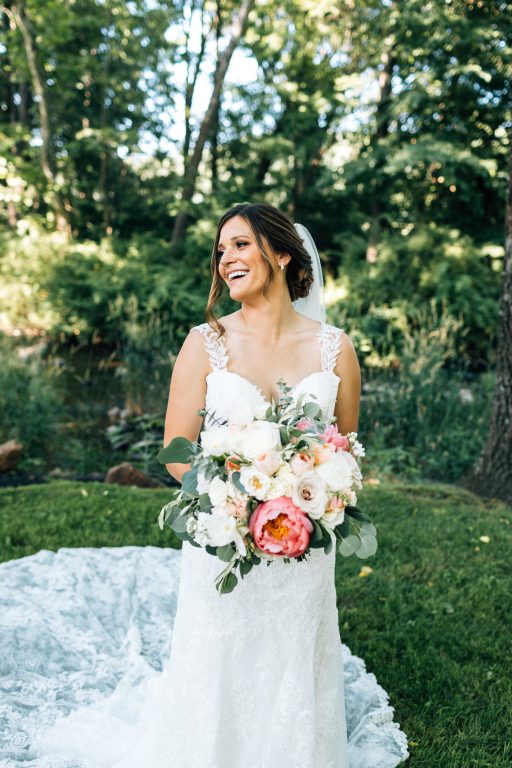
(367, 528)
(227, 584)
(235, 477)
(182, 535)
(311, 410)
(245, 567)
(205, 502)
(179, 525)
(367, 548)
(317, 535)
(189, 482)
(226, 552)
(357, 514)
(343, 528)
(349, 545)
(178, 451)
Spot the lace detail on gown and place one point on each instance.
(215, 346)
(256, 678)
(330, 341)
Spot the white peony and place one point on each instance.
(354, 466)
(215, 440)
(203, 484)
(259, 437)
(260, 410)
(218, 491)
(221, 528)
(241, 413)
(255, 483)
(336, 472)
(309, 494)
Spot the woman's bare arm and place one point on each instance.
(349, 390)
(187, 392)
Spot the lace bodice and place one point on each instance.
(225, 387)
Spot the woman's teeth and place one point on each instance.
(235, 275)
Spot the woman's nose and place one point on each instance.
(227, 257)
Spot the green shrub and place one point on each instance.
(431, 264)
(427, 417)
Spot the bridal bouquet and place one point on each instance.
(271, 482)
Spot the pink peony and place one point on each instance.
(332, 436)
(279, 527)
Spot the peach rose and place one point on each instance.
(279, 527)
(301, 462)
(323, 452)
(232, 464)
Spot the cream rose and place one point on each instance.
(310, 494)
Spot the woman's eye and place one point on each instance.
(221, 253)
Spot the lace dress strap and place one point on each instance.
(330, 345)
(215, 346)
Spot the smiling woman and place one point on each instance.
(256, 676)
(257, 238)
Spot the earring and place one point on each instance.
(282, 266)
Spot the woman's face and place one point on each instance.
(239, 261)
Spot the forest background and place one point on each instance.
(128, 128)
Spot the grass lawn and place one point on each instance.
(431, 619)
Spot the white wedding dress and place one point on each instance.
(256, 678)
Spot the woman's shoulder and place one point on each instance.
(206, 329)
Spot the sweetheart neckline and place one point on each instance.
(260, 391)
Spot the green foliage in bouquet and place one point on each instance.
(300, 426)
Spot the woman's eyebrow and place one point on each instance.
(235, 237)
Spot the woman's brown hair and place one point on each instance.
(267, 221)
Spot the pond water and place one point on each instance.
(102, 390)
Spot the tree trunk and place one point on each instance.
(492, 474)
(214, 137)
(105, 147)
(189, 179)
(19, 18)
(193, 69)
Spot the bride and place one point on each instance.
(258, 677)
